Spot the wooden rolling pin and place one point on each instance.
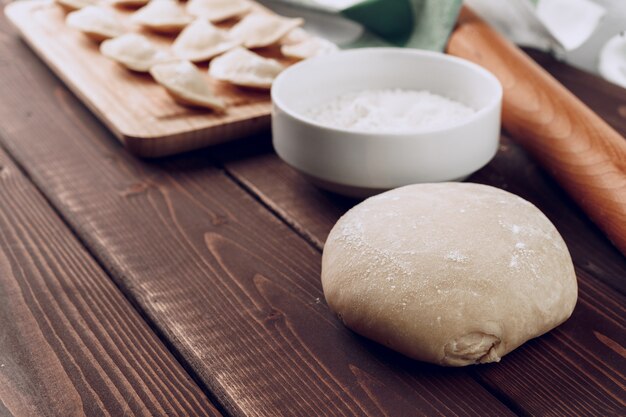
(585, 155)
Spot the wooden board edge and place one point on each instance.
(143, 146)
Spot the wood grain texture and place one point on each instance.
(230, 286)
(576, 370)
(570, 371)
(237, 294)
(603, 97)
(71, 344)
(136, 109)
(585, 155)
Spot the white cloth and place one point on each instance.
(557, 25)
(584, 33)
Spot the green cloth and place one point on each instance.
(422, 24)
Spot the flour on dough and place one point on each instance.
(451, 273)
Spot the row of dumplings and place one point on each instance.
(198, 40)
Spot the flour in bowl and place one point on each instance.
(390, 111)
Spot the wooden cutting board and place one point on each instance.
(137, 110)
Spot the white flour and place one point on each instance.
(390, 111)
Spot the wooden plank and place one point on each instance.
(313, 212)
(140, 113)
(71, 344)
(235, 292)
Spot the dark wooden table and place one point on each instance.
(190, 285)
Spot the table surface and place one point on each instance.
(190, 285)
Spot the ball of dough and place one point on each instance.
(451, 273)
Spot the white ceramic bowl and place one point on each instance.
(361, 164)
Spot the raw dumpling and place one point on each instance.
(163, 16)
(76, 4)
(218, 10)
(259, 30)
(244, 68)
(296, 35)
(309, 48)
(129, 3)
(201, 41)
(133, 51)
(96, 22)
(186, 84)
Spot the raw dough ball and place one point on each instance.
(451, 273)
